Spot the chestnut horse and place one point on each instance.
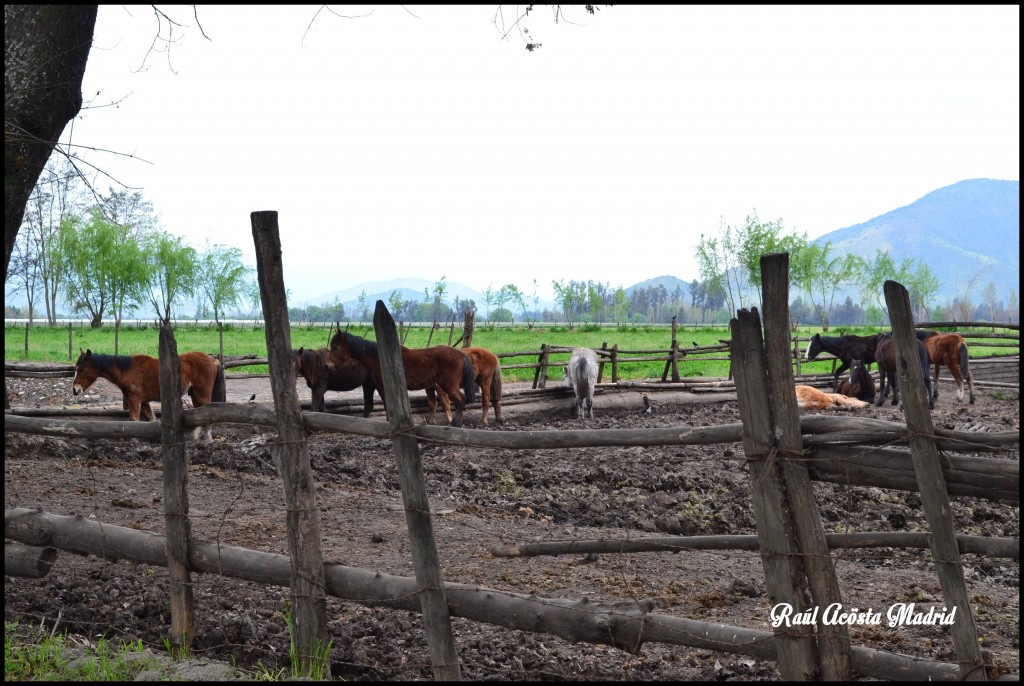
(859, 383)
(811, 398)
(885, 356)
(949, 349)
(441, 366)
(138, 377)
(846, 348)
(487, 372)
(321, 377)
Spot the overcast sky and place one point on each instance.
(416, 142)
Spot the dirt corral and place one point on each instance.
(480, 499)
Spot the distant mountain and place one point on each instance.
(969, 228)
(669, 282)
(408, 288)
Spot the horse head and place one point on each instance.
(85, 372)
(813, 347)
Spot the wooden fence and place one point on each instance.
(848, 450)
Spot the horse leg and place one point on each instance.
(895, 384)
(318, 403)
(935, 382)
(485, 398)
(367, 399)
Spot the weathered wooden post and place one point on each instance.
(932, 483)
(70, 356)
(600, 364)
(308, 594)
(615, 363)
(540, 376)
(783, 565)
(175, 466)
(426, 561)
(833, 639)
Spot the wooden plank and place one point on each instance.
(426, 561)
(783, 565)
(934, 496)
(833, 639)
(308, 597)
(175, 469)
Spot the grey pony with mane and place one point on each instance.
(581, 374)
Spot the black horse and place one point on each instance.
(885, 356)
(859, 385)
(321, 377)
(846, 348)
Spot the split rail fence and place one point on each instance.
(783, 450)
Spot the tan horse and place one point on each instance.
(811, 398)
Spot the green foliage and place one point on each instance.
(48, 658)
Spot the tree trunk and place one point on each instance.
(46, 49)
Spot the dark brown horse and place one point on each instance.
(846, 348)
(949, 349)
(441, 366)
(885, 356)
(138, 377)
(320, 376)
(859, 383)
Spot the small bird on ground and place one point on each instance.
(647, 406)
(696, 343)
(252, 398)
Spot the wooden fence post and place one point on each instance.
(70, 357)
(934, 496)
(175, 467)
(427, 563)
(309, 597)
(833, 639)
(615, 363)
(540, 377)
(600, 365)
(783, 566)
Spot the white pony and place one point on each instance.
(581, 374)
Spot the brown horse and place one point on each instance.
(441, 366)
(885, 356)
(859, 383)
(949, 349)
(138, 377)
(320, 376)
(487, 372)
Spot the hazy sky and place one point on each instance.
(414, 141)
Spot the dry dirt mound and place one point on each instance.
(482, 498)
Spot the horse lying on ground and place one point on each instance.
(858, 384)
(885, 356)
(846, 348)
(581, 374)
(321, 377)
(138, 377)
(811, 398)
(440, 367)
(949, 349)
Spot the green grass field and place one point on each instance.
(51, 344)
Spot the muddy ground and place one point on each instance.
(483, 498)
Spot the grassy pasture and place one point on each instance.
(50, 344)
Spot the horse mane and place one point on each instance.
(359, 346)
(104, 363)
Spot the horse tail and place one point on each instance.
(468, 378)
(496, 384)
(220, 388)
(963, 359)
